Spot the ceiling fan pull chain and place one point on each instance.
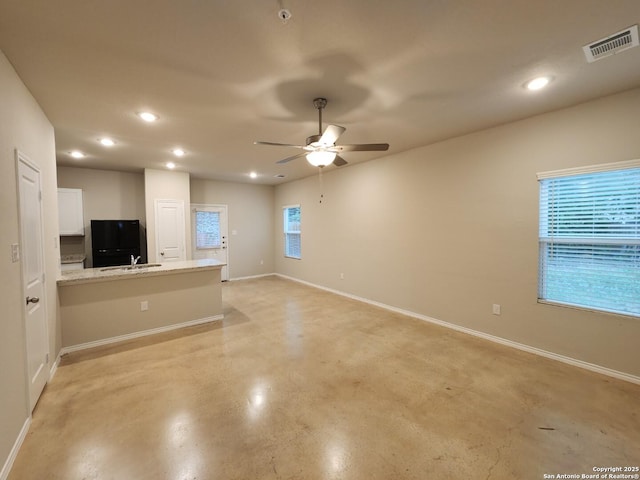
(321, 183)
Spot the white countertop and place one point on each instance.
(107, 274)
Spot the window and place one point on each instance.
(207, 230)
(590, 238)
(292, 231)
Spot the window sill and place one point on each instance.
(587, 309)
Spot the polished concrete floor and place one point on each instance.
(297, 383)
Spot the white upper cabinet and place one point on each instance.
(70, 213)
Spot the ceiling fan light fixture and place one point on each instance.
(320, 158)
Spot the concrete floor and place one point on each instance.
(297, 383)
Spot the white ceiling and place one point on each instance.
(222, 73)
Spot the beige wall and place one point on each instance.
(250, 209)
(449, 229)
(106, 195)
(165, 185)
(93, 312)
(24, 126)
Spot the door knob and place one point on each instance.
(32, 300)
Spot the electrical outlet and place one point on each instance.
(342, 276)
(496, 309)
(144, 306)
(261, 262)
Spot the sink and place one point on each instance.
(131, 267)
(141, 265)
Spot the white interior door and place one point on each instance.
(209, 234)
(35, 315)
(170, 230)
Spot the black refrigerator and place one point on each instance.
(114, 241)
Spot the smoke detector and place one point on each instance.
(612, 44)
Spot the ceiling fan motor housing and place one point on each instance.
(319, 103)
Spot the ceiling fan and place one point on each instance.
(321, 150)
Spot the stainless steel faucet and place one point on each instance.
(134, 261)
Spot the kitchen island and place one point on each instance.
(105, 305)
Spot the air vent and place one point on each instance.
(611, 45)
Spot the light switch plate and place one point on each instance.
(15, 252)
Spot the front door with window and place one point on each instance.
(209, 235)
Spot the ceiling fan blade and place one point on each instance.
(293, 157)
(339, 161)
(363, 147)
(280, 144)
(331, 134)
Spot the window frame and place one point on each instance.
(197, 210)
(286, 232)
(595, 241)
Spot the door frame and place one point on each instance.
(22, 158)
(192, 208)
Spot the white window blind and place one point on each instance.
(207, 230)
(292, 233)
(590, 240)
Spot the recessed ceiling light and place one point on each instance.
(253, 175)
(148, 116)
(77, 154)
(538, 83)
(171, 165)
(107, 142)
(178, 152)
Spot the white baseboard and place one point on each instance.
(143, 333)
(4, 473)
(252, 277)
(54, 368)
(492, 338)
